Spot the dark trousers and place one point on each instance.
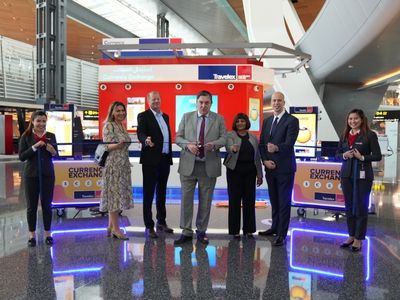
(280, 188)
(155, 179)
(242, 190)
(356, 206)
(33, 189)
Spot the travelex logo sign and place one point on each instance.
(228, 72)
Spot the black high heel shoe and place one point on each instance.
(346, 245)
(32, 242)
(119, 236)
(49, 241)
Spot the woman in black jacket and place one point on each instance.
(358, 147)
(37, 148)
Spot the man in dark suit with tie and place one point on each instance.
(278, 136)
(156, 158)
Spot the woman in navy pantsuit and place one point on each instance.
(358, 147)
(37, 148)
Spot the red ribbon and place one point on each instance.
(40, 138)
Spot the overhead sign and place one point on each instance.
(91, 115)
(387, 115)
(184, 73)
(217, 72)
(229, 72)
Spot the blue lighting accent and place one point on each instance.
(325, 272)
(86, 230)
(211, 253)
(80, 270)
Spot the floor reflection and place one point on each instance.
(85, 264)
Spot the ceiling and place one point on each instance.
(380, 57)
(17, 21)
(209, 20)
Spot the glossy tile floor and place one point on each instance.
(85, 264)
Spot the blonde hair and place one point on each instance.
(110, 114)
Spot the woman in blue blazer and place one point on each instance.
(358, 147)
(37, 148)
(243, 166)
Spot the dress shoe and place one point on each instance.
(32, 242)
(279, 241)
(268, 232)
(183, 239)
(346, 245)
(250, 236)
(119, 236)
(151, 233)
(49, 240)
(236, 236)
(202, 238)
(165, 228)
(356, 249)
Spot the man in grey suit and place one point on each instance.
(200, 134)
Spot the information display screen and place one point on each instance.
(61, 123)
(306, 142)
(187, 103)
(134, 107)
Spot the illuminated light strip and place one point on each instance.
(81, 270)
(326, 272)
(209, 230)
(73, 204)
(327, 205)
(317, 163)
(382, 78)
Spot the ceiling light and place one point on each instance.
(350, 66)
(382, 78)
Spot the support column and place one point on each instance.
(51, 51)
(162, 26)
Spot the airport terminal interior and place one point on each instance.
(326, 56)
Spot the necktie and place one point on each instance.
(273, 127)
(201, 136)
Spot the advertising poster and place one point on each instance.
(64, 286)
(318, 184)
(134, 107)
(77, 183)
(254, 114)
(299, 286)
(60, 123)
(187, 103)
(307, 135)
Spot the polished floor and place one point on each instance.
(85, 264)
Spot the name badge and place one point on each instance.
(362, 174)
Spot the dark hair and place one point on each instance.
(241, 116)
(204, 93)
(110, 116)
(364, 128)
(35, 114)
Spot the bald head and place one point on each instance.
(278, 102)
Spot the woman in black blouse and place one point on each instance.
(358, 147)
(243, 167)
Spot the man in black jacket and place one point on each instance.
(156, 158)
